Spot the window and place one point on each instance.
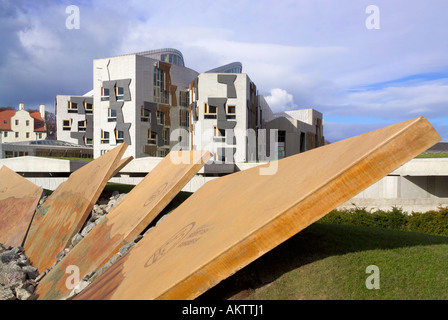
(17, 134)
(88, 107)
(184, 118)
(27, 135)
(145, 115)
(72, 107)
(219, 158)
(5, 121)
(160, 93)
(103, 152)
(119, 136)
(166, 136)
(184, 98)
(230, 112)
(82, 125)
(105, 94)
(104, 137)
(112, 115)
(161, 117)
(6, 134)
(209, 111)
(27, 123)
(281, 152)
(17, 122)
(66, 125)
(281, 136)
(152, 137)
(219, 135)
(162, 152)
(88, 141)
(39, 135)
(119, 92)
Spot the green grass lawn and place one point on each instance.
(327, 261)
(432, 155)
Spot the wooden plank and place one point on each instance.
(121, 165)
(62, 215)
(55, 194)
(127, 220)
(18, 201)
(235, 219)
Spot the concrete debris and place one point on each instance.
(18, 278)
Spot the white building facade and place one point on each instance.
(151, 101)
(22, 125)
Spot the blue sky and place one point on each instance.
(301, 54)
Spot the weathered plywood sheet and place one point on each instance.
(54, 195)
(123, 163)
(127, 220)
(64, 213)
(233, 220)
(18, 201)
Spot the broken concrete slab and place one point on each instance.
(233, 220)
(126, 221)
(18, 201)
(65, 211)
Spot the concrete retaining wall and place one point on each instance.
(419, 185)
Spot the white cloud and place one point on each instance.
(280, 100)
(316, 54)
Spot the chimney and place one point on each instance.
(21, 106)
(42, 111)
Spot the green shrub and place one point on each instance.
(432, 222)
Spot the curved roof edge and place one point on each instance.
(156, 54)
(234, 67)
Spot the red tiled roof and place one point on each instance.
(5, 116)
(39, 124)
(5, 120)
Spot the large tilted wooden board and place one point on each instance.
(42, 210)
(233, 220)
(64, 213)
(18, 201)
(127, 220)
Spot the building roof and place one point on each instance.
(47, 143)
(39, 124)
(234, 67)
(157, 54)
(5, 119)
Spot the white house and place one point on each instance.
(22, 125)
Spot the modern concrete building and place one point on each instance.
(153, 102)
(298, 131)
(22, 125)
(74, 119)
(139, 99)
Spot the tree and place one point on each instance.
(50, 121)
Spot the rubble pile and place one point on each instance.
(18, 278)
